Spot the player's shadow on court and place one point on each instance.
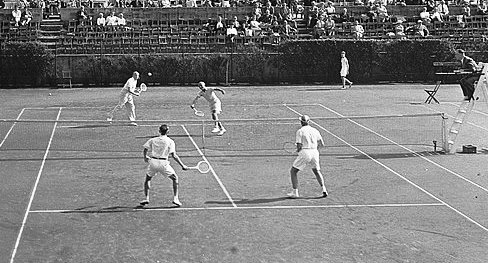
(114, 209)
(261, 200)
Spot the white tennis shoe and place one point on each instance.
(216, 129)
(144, 202)
(221, 132)
(109, 119)
(292, 195)
(133, 124)
(177, 202)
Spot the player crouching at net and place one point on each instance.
(214, 103)
(156, 153)
(126, 99)
(307, 141)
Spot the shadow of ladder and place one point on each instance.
(465, 109)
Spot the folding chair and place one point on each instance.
(66, 74)
(432, 93)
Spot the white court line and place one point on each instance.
(11, 128)
(244, 208)
(390, 169)
(27, 210)
(211, 168)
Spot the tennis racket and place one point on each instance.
(290, 147)
(198, 113)
(143, 87)
(202, 166)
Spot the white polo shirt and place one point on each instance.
(308, 136)
(209, 95)
(160, 147)
(130, 85)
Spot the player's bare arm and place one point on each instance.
(299, 146)
(178, 160)
(221, 90)
(144, 152)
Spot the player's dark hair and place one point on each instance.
(163, 129)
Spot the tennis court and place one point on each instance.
(71, 188)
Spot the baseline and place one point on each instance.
(250, 208)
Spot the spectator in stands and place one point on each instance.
(191, 3)
(81, 16)
(54, 6)
(313, 17)
(482, 8)
(257, 11)
(466, 12)
(101, 21)
(236, 23)
(425, 15)
(111, 20)
(284, 13)
(2, 4)
(17, 15)
(219, 26)
(26, 17)
(205, 3)
(255, 26)
(443, 10)
(382, 13)
(268, 7)
(357, 30)
(266, 18)
(467, 82)
(419, 29)
(136, 3)
(318, 29)
(165, 3)
(344, 16)
(329, 26)
(430, 5)
(399, 30)
(23, 4)
(231, 33)
(288, 30)
(121, 21)
(371, 13)
(330, 9)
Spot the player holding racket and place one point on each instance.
(156, 153)
(307, 141)
(126, 99)
(214, 104)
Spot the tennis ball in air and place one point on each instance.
(50, 94)
(149, 74)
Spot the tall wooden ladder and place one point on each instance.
(465, 109)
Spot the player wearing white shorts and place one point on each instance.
(345, 70)
(214, 104)
(126, 99)
(307, 140)
(156, 153)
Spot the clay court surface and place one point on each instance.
(70, 191)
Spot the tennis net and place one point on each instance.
(243, 137)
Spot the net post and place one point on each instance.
(203, 136)
(445, 145)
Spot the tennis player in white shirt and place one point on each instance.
(156, 153)
(214, 104)
(126, 99)
(308, 139)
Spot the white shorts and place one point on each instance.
(125, 98)
(216, 107)
(307, 157)
(159, 166)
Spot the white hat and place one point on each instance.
(304, 118)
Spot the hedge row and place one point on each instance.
(303, 61)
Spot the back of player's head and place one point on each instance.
(304, 119)
(163, 129)
(201, 84)
(461, 51)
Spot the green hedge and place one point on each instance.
(25, 64)
(302, 61)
